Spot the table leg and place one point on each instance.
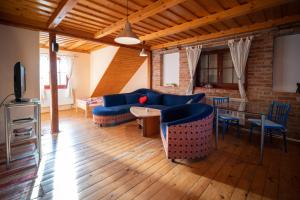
(7, 138)
(217, 127)
(262, 137)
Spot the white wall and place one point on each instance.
(100, 60)
(286, 71)
(138, 80)
(22, 45)
(80, 79)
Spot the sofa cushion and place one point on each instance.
(197, 97)
(154, 98)
(132, 98)
(114, 100)
(115, 110)
(173, 100)
(159, 107)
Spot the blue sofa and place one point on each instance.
(116, 108)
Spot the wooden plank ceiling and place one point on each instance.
(160, 23)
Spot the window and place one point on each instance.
(62, 69)
(216, 68)
(286, 73)
(171, 69)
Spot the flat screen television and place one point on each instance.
(19, 81)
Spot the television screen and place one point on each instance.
(19, 81)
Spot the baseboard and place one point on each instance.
(61, 107)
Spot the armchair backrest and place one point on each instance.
(278, 112)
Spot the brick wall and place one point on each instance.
(259, 76)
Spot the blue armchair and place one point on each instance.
(186, 131)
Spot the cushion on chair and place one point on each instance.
(268, 123)
(132, 98)
(114, 100)
(154, 98)
(227, 117)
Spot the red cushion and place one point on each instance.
(143, 99)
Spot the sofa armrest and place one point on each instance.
(114, 100)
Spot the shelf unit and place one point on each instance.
(33, 121)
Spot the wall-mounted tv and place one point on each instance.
(19, 81)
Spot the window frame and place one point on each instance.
(47, 87)
(162, 82)
(219, 84)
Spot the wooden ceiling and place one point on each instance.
(161, 23)
(70, 43)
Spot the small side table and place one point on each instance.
(33, 120)
(150, 118)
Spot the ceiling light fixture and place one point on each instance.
(143, 52)
(127, 36)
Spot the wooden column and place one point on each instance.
(149, 57)
(53, 85)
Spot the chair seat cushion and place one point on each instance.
(268, 123)
(227, 117)
(115, 110)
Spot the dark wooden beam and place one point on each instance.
(60, 12)
(53, 85)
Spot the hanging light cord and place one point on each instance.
(127, 10)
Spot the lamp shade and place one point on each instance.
(126, 36)
(143, 53)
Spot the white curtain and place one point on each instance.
(66, 65)
(239, 53)
(193, 54)
(44, 75)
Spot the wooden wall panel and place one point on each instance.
(123, 66)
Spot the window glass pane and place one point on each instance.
(213, 61)
(227, 75)
(62, 79)
(227, 61)
(213, 76)
(204, 61)
(171, 68)
(204, 76)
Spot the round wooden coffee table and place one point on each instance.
(150, 119)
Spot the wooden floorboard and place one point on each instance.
(84, 161)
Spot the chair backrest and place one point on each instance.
(278, 112)
(220, 100)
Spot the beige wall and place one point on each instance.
(18, 45)
(100, 60)
(138, 80)
(80, 78)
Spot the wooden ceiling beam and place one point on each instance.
(16, 21)
(65, 49)
(77, 44)
(60, 12)
(252, 6)
(230, 32)
(146, 12)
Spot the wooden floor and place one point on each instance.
(87, 162)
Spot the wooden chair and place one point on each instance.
(275, 122)
(226, 118)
